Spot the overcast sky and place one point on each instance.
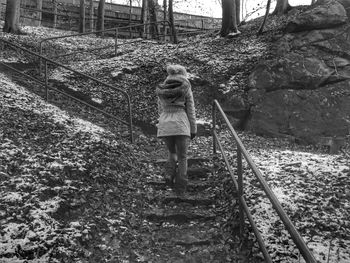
(213, 8)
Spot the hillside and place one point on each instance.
(65, 197)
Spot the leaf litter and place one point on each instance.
(311, 185)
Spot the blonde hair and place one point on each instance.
(176, 70)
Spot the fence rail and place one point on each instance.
(49, 87)
(69, 13)
(243, 207)
(114, 31)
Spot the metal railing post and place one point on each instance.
(46, 83)
(240, 191)
(116, 42)
(40, 59)
(214, 126)
(130, 120)
(243, 153)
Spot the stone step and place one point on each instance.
(190, 161)
(212, 254)
(187, 198)
(198, 172)
(187, 236)
(198, 254)
(193, 185)
(179, 215)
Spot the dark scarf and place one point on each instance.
(171, 89)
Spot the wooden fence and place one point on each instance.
(65, 15)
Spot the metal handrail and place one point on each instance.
(241, 151)
(115, 30)
(47, 86)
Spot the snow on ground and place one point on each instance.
(313, 189)
(42, 148)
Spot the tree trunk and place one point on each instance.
(143, 7)
(229, 20)
(153, 19)
(261, 29)
(282, 7)
(101, 16)
(39, 6)
(130, 13)
(238, 11)
(54, 3)
(82, 17)
(91, 22)
(12, 17)
(172, 23)
(144, 17)
(165, 7)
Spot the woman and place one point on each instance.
(177, 124)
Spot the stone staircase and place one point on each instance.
(186, 228)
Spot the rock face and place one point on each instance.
(325, 15)
(305, 91)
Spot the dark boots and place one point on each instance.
(174, 178)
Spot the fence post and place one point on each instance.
(46, 83)
(2, 45)
(214, 126)
(240, 191)
(40, 59)
(130, 120)
(116, 42)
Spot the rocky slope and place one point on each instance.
(304, 90)
(103, 220)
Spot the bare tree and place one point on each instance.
(101, 16)
(130, 14)
(172, 23)
(39, 6)
(12, 17)
(261, 29)
(144, 17)
(153, 18)
(54, 3)
(238, 11)
(91, 12)
(282, 7)
(165, 7)
(82, 17)
(229, 20)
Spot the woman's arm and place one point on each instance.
(160, 108)
(191, 112)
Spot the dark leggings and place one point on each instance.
(177, 147)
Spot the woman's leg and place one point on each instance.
(181, 179)
(170, 167)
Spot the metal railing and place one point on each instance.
(193, 23)
(243, 207)
(115, 31)
(49, 86)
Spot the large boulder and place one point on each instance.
(305, 91)
(305, 115)
(294, 71)
(325, 15)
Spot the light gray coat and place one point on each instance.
(176, 107)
